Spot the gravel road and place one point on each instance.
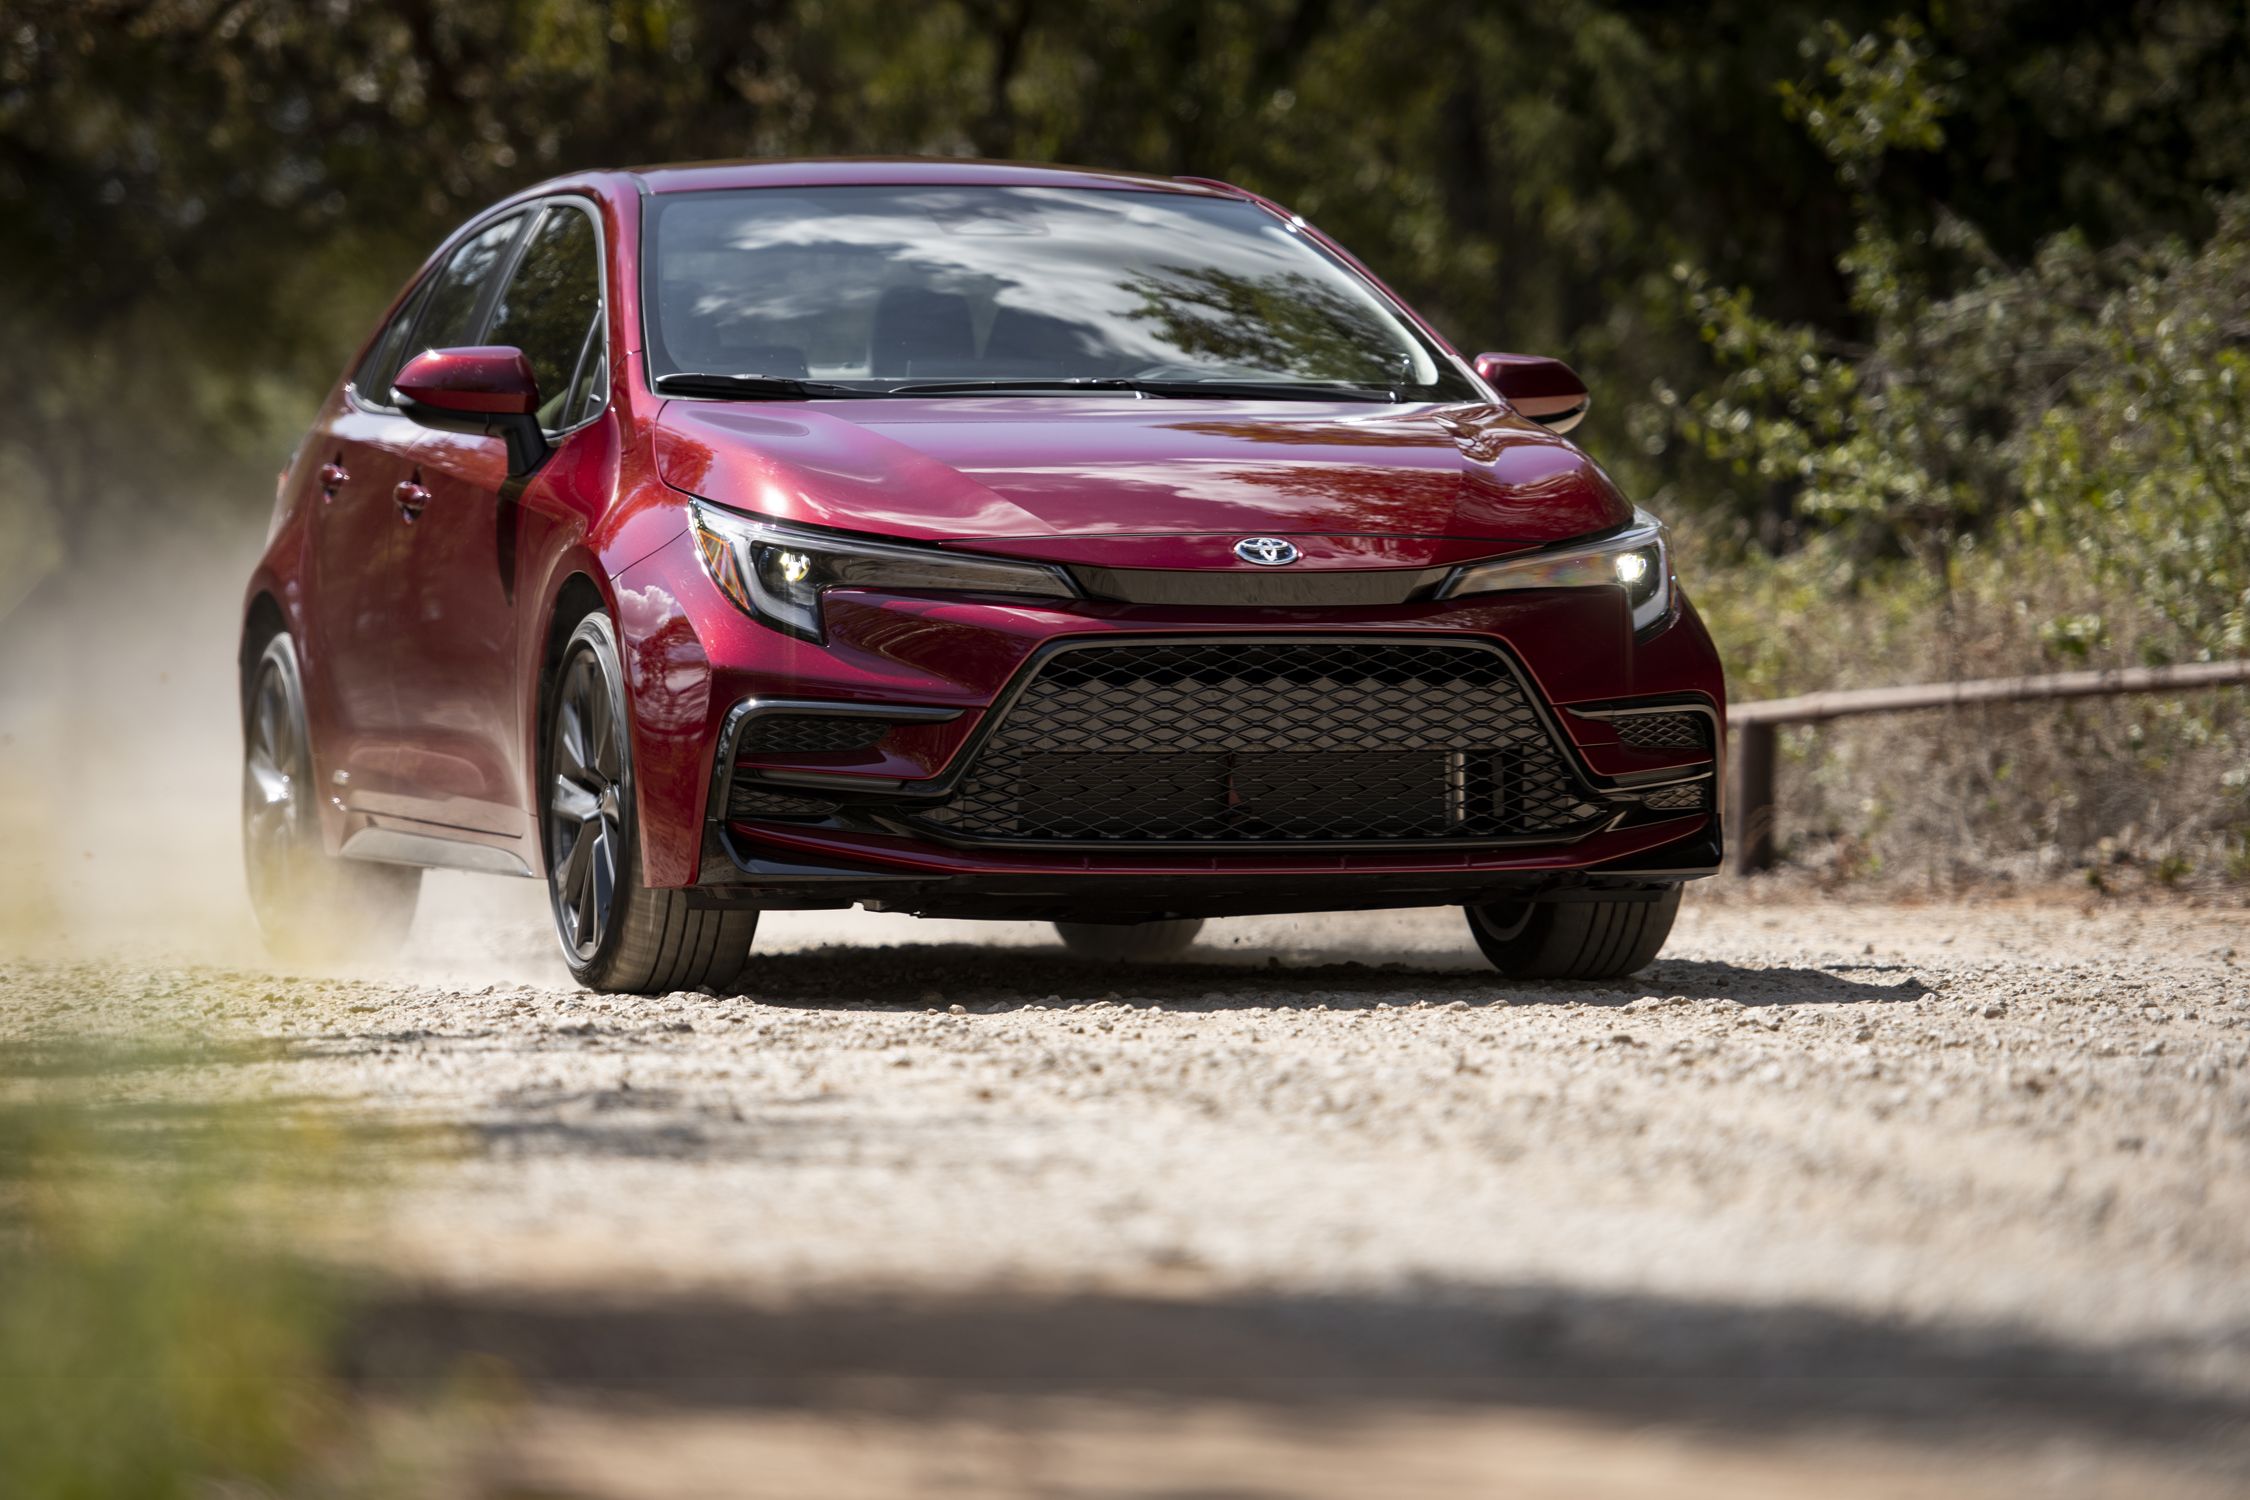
(1944, 1199)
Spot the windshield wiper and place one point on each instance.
(1270, 390)
(755, 387)
(1233, 390)
(790, 388)
(1016, 383)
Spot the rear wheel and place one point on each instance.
(1573, 939)
(309, 904)
(1135, 940)
(617, 934)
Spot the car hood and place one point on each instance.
(1160, 483)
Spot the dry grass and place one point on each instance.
(2073, 790)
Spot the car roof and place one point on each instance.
(913, 171)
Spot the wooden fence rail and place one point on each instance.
(1751, 727)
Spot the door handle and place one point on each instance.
(332, 478)
(411, 497)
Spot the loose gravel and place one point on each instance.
(1973, 1173)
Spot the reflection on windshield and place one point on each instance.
(1285, 323)
(885, 284)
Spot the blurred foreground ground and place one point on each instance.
(1874, 1199)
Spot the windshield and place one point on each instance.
(886, 286)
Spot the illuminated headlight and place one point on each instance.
(778, 573)
(1634, 560)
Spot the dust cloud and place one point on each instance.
(120, 755)
(120, 778)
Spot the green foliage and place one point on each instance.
(149, 1346)
(2141, 464)
(2006, 466)
(2091, 402)
(1876, 96)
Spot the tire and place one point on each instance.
(1127, 942)
(618, 934)
(310, 904)
(1573, 939)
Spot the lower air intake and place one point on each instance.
(1663, 731)
(1274, 742)
(746, 801)
(810, 734)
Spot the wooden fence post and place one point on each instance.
(1750, 800)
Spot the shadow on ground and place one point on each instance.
(1759, 1370)
(912, 977)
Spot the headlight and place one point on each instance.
(1634, 560)
(778, 573)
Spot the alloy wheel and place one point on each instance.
(585, 805)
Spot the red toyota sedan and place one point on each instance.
(964, 539)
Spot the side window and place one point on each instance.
(551, 310)
(449, 312)
(591, 393)
(372, 380)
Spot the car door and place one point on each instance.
(355, 459)
(461, 650)
(358, 552)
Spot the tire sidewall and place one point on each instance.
(594, 635)
(1547, 940)
(1509, 933)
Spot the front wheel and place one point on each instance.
(1130, 942)
(1573, 939)
(617, 934)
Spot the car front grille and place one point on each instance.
(1289, 742)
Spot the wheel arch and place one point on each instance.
(576, 597)
(262, 620)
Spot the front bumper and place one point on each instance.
(812, 818)
(774, 870)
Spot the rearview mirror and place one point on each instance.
(1547, 391)
(483, 389)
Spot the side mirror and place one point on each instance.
(1547, 391)
(483, 389)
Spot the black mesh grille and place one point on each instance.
(1315, 741)
(1676, 798)
(1662, 731)
(810, 734)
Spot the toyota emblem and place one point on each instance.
(1266, 551)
